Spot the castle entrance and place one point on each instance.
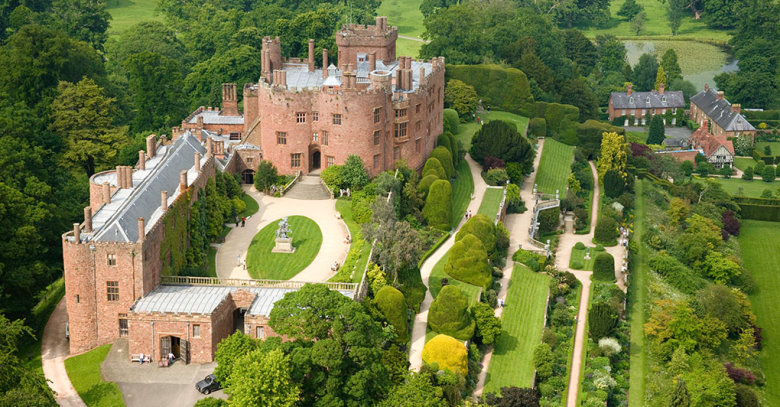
(238, 320)
(170, 344)
(248, 176)
(316, 160)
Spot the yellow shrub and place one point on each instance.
(448, 352)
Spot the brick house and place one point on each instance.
(636, 106)
(717, 148)
(725, 118)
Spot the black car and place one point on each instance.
(208, 384)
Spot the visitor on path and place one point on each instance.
(243, 263)
(243, 222)
(170, 358)
(236, 221)
(239, 259)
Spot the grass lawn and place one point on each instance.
(405, 14)
(307, 239)
(554, 167)
(521, 331)
(774, 145)
(744, 162)
(352, 269)
(212, 262)
(636, 137)
(251, 206)
(466, 130)
(434, 282)
(125, 13)
(578, 255)
(758, 241)
(462, 189)
(407, 47)
(657, 24)
(490, 202)
(84, 373)
(752, 188)
(636, 305)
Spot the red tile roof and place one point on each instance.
(708, 142)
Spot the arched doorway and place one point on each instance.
(316, 160)
(248, 176)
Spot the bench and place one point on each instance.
(135, 358)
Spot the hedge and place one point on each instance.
(393, 306)
(433, 166)
(451, 120)
(448, 353)
(561, 120)
(468, 262)
(760, 212)
(438, 205)
(426, 183)
(537, 127)
(589, 136)
(535, 262)
(449, 314)
(498, 87)
(604, 267)
(482, 227)
(444, 156)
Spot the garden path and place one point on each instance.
(420, 322)
(54, 350)
(323, 212)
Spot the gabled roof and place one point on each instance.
(648, 100)
(719, 111)
(709, 143)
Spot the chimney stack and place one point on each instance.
(372, 61)
(76, 233)
(141, 229)
(229, 100)
(197, 161)
(422, 73)
(736, 107)
(151, 146)
(381, 24)
(720, 95)
(106, 193)
(661, 88)
(164, 200)
(128, 176)
(88, 219)
(311, 55)
(628, 89)
(120, 176)
(209, 147)
(141, 160)
(324, 63)
(183, 181)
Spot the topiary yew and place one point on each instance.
(433, 166)
(438, 205)
(393, 306)
(445, 158)
(604, 267)
(468, 262)
(602, 320)
(425, 183)
(483, 229)
(448, 353)
(449, 314)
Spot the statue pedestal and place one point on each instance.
(283, 245)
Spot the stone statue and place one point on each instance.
(283, 238)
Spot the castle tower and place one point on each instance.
(229, 100)
(354, 41)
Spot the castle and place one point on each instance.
(122, 263)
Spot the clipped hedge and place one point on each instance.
(449, 314)
(604, 267)
(498, 87)
(537, 127)
(448, 353)
(451, 120)
(445, 158)
(561, 121)
(468, 262)
(433, 166)
(438, 205)
(393, 306)
(425, 184)
(482, 228)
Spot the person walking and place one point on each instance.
(243, 222)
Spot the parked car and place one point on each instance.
(208, 384)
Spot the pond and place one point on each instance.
(699, 62)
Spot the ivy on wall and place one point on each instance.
(173, 247)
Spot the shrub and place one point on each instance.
(739, 375)
(514, 202)
(468, 262)
(686, 167)
(433, 167)
(488, 327)
(496, 177)
(438, 205)
(393, 306)
(448, 353)
(604, 267)
(768, 174)
(656, 133)
(353, 173)
(730, 223)
(425, 184)
(501, 139)
(589, 136)
(537, 127)
(515, 173)
(579, 246)
(543, 361)
(614, 184)
(461, 97)
(746, 397)
(602, 320)
(361, 206)
(444, 141)
(501, 88)
(451, 120)
(609, 346)
(747, 174)
(606, 231)
(449, 314)
(677, 274)
(210, 402)
(266, 175)
(482, 228)
(562, 122)
(445, 159)
(331, 176)
(549, 220)
(492, 162)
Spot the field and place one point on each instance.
(636, 310)
(490, 202)
(738, 186)
(406, 15)
(699, 62)
(554, 167)
(262, 264)
(434, 282)
(759, 241)
(523, 317)
(125, 13)
(462, 189)
(84, 373)
(467, 130)
(657, 25)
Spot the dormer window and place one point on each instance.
(631, 100)
(663, 98)
(647, 100)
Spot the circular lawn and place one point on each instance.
(262, 264)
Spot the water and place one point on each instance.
(699, 62)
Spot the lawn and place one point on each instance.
(212, 262)
(738, 186)
(84, 373)
(774, 145)
(744, 162)
(307, 239)
(521, 331)
(405, 14)
(657, 25)
(352, 269)
(636, 305)
(578, 255)
(125, 13)
(554, 167)
(758, 241)
(490, 202)
(462, 189)
(466, 130)
(434, 282)
(251, 206)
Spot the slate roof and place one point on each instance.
(719, 111)
(118, 220)
(299, 77)
(189, 299)
(648, 100)
(675, 142)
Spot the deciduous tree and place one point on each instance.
(262, 379)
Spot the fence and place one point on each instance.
(240, 282)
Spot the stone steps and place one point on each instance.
(309, 187)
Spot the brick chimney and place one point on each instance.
(151, 146)
(141, 160)
(229, 100)
(661, 88)
(120, 176)
(736, 107)
(106, 192)
(422, 73)
(311, 55)
(720, 95)
(628, 89)
(76, 233)
(199, 122)
(197, 161)
(381, 24)
(209, 147)
(164, 200)
(372, 61)
(324, 63)
(88, 219)
(183, 181)
(141, 229)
